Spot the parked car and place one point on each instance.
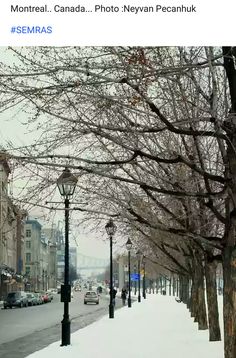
(41, 294)
(39, 298)
(45, 297)
(50, 296)
(16, 299)
(92, 297)
(32, 301)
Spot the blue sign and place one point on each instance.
(134, 276)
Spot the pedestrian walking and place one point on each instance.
(113, 292)
(123, 295)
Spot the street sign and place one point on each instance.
(134, 276)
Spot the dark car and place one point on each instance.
(16, 299)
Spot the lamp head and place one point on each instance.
(110, 228)
(129, 244)
(66, 183)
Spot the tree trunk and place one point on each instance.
(185, 294)
(188, 294)
(170, 282)
(193, 300)
(229, 251)
(198, 304)
(177, 287)
(161, 285)
(181, 291)
(174, 286)
(229, 299)
(157, 285)
(202, 316)
(184, 289)
(212, 303)
(165, 284)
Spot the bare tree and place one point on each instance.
(153, 126)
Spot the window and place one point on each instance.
(27, 270)
(28, 244)
(28, 233)
(28, 257)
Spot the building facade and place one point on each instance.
(50, 236)
(11, 238)
(40, 257)
(32, 251)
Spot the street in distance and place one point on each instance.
(107, 9)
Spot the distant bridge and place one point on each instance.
(91, 263)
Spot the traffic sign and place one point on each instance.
(134, 276)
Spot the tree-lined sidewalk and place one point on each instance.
(150, 132)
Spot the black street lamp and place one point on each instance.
(111, 229)
(66, 184)
(135, 282)
(43, 279)
(139, 255)
(129, 247)
(144, 277)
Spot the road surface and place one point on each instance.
(25, 330)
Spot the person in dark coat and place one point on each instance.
(123, 295)
(113, 293)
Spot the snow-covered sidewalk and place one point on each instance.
(156, 327)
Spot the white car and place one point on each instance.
(91, 297)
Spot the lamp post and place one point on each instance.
(144, 277)
(43, 279)
(139, 255)
(135, 282)
(129, 247)
(46, 280)
(66, 184)
(111, 229)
